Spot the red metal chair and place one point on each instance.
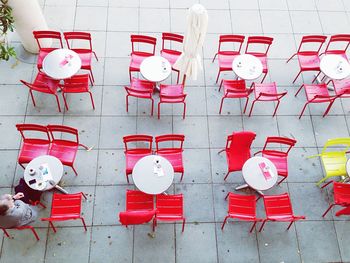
(341, 197)
(76, 84)
(171, 54)
(172, 94)
(138, 55)
(64, 144)
(266, 92)
(341, 87)
(238, 150)
(172, 153)
(333, 45)
(21, 228)
(36, 142)
(139, 208)
(40, 37)
(85, 53)
(308, 57)
(142, 89)
(259, 47)
(136, 152)
(316, 93)
(226, 55)
(279, 208)
(43, 84)
(234, 89)
(65, 207)
(278, 157)
(242, 207)
(169, 208)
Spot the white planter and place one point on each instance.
(28, 17)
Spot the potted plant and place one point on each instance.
(6, 25)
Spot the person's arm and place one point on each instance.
(6, 197)
(17, 196)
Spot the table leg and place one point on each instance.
(259, 192)
(241, 187)
(345, 211)
(61, 189)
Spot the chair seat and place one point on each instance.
(170, 55)
(175, 158)
(281, 217)
(279, 161)
(32, 149)
(225, 59)
(45, 84)
(64, 152)
(133, 157)
(239, 93)
(166, 217)
(135, 217)
(265, 88)
(42, 54)
(172, 90)
(245, 217)
(309, 61)
(340, 86)
(312, 90)
(235, 162)
(334, 163)
(82, 86)
(136, 60)
(85, 56)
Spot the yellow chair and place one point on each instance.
(334, 159)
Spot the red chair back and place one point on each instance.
(132, 143)
(137, 200)
(141, 84)
(171, 37)
(242, 205)
(82, 36)
(278, 206)
(313, 43)
(239, 143)
(39, 35)
(58, 131)
(256, 43)
(146, 40)
(77, 83)
(169, 143)
(231, 40)
(169, 205)
(281, 141)
(66, 206)
(341, 193)
(335, 40)
(34, 133)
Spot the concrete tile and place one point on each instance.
(249, 4)
(111, 243)
(341, 230)
(14, 72)
(230, 106)
(162, 245)
(61, 18)
(153, 126)
(178, 19)
(111, 167)
(328, 19)
(8, 167)
(306, 22)
(182, 3)
(269, 19)
(83, 19)
(323, 5)
(13, 100)
(124, 3)
(154, 4)
(159, 23)
(196, 165)
(222, 17)
(92, 3)
(320, 237)
(203, 235)
(247, 21)
(301, 4)
(8, 126)
(273, 4)
(113, 75)
(283, 46)
(118, 44)
(284, 73)
(221, 4)
(221, 127)
(114, 102)
(118, 16)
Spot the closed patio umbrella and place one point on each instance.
(190, 60)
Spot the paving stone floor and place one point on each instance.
(101, 171)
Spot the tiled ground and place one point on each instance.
(101, 173)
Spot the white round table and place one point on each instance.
(47, 168)
(155, 68)
(147, 180)
(254, 176)
(61, 63)
(335, 67)
(247, 67)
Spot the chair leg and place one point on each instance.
(159, 110)
(251, 109)
(42, 205)
(221, 84)
(323, 186)
(328, 108)
(246, 104)
(227, 196)
(152, 106)
(64, 100)
(222, 102)
(53, 227)
(321, 181)
(35, 234)
(95, 55)
(316, 77)
(127, 178)
(76, 174)
(92, 100)
(130, 75)
(183, 225)
(262, 226)
(296, 77)
(223, 224)
(178, 77)
(296, 94)
(183, 115)
(5, 232)
(21, 165)
(127, 103)
(217, 78)
(264, 78)
(32, 96)
(58, 103)
(92, 77)
(329, 208)
(251, 229)
(291, 223)
(154, 224)
(226, 175)
(214, 58)
(274, 113)
(301, 113)
(182, 175)
(83, 221)
(290, 58)
(284, 178)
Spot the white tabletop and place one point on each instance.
(155, 68)
(146, 178)
(335, 66)
(61, 63)
(253, 175)
(247, 67)
(55, 172)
